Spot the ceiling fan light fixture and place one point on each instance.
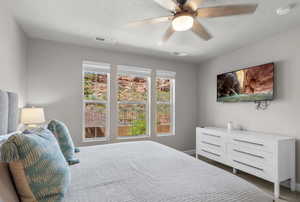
(183, 23)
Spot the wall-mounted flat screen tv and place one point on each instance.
(246, 85)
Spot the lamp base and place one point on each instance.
(32, 126)
(29, 128)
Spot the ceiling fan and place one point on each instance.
(185, 14)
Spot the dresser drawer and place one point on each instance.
(219, 157)
(209, 138)
(213, 145)
(216, 148)
(211, 151)
(258, 158)
(248, 166)
(252, 143)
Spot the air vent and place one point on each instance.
(106, 40)
(100, 39)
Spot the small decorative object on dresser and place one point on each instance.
(229, 126)
(268, 156)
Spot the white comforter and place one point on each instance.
(150, 172)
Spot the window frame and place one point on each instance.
(98, 68)
(171, 103)
(147, 103)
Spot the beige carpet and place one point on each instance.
(285, 194)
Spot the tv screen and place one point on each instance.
(246, 85)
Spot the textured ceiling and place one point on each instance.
(81, 21)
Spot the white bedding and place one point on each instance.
(150, 172)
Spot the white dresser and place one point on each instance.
(268, 156)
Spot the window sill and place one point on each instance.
(133, 137)
(99, 139)
(165, 134)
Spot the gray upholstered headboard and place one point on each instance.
(8, 112)
(8, 124)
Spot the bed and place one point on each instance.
(150, 172)
(145, 171)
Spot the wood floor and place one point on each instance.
(285, 194)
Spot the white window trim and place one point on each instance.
(131, 70)
(101, 68)
(148, 104)
(172, 105)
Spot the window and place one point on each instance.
(133, 97)
(96, 100)
(132, 102)
(165, 103)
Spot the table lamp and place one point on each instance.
(32, 117)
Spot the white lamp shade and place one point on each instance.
(32, 116)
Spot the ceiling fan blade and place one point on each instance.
(170, 5)
(170, 31)
(230, 10)
(193, 4)
(201, 31)
(150, 21)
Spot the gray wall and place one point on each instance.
(12, 55)
(283, 116)
(55, 73)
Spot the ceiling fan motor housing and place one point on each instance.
(181, 2)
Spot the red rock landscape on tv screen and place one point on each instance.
(251, 84)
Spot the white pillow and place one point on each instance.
(4, 138)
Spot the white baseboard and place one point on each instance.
(190, 152)
(298, 187)
(287, 185)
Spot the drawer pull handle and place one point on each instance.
(208, 143)
(248, 142)
(210, 152)
(212, 135)
(242, 152)
(245, 164)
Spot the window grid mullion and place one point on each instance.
(167, 103)
(95, 101)
(132, 102)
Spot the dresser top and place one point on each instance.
(264, 135)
